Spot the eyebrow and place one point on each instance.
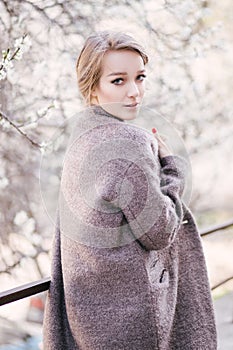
(124, 73)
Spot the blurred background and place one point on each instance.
(189, 82)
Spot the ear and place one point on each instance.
(94, 92)
(94, 97)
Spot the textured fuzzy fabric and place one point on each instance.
(127, 272)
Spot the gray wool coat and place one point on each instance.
(127, 271)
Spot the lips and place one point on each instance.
(132, 104)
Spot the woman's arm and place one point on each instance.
(151, 199)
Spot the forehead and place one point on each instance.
(121, 61)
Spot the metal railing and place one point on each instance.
(24, 291)
(42, 285)
(216, 228)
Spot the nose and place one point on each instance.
(133, 90)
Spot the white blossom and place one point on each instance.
(21, 45)
(36, 239)
(2, 74)
(4, 124)
(55, 104)
(185, 33)
(6, 62)
(46, 147)
(18, 55)
(32, 118)
(2, 170)
(20, 218)
(28, 227)
(42, 112)
(4, 183)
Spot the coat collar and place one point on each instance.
(97, 109)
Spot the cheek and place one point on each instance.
(110, 92)
(142, 88)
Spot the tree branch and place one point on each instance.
(3, 116)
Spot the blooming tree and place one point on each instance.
(40, 41)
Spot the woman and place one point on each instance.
(127, 272)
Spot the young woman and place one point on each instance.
(127, 273)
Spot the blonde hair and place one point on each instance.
(89, 63)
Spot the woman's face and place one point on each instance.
(122, 84)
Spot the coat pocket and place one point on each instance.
(158, 275)
(159, 279)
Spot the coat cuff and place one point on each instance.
(175, 165)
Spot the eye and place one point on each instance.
(141, 77)
(117, 81)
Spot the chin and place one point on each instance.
(131, 117)
(130, 114)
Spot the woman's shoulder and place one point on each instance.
(136, 132)
(102, 124)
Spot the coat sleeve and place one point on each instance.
(150, 198)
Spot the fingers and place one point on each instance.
(158, 136)
(164, 149)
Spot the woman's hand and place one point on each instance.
(164, 150)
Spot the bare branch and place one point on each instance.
(3, 116)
